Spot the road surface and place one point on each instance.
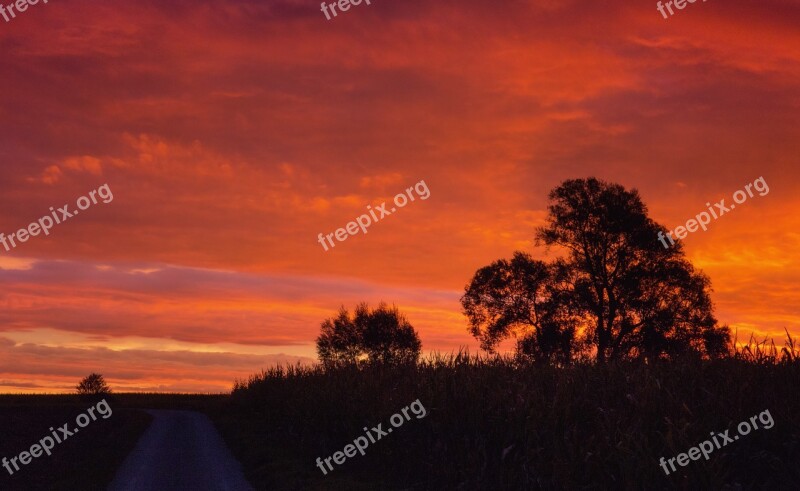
(180, 451)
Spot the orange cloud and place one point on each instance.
(233, 133)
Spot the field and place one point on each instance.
(487, 423)
(498, 424)
(86, 460)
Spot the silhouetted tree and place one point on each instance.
(387, 335)
(382, 335)
(636, 297)
(339, 342)
(520, 298)
(93, 384)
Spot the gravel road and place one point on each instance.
(181, 450)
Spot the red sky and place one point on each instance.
(232, 133)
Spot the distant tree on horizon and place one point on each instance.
(381, 335)
(93, 384)
(627, 295)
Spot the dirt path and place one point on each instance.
(180, 451)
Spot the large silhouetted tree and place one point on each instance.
(616, 284)
(382, 335)
(637, 297)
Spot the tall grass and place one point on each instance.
(500, 423)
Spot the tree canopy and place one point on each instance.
(520, 298)
(93, 384)
(615, 284)
(381, 335)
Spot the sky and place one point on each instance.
(231, 134)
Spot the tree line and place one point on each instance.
(612, 292)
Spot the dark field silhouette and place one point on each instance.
(87, 460)
(501, 423)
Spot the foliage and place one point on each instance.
(637, 297)
(616, 291)
(93, 384)
(382, 335)
(522, 298)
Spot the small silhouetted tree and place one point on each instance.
(93, 384)
(382, 335)
(387, 336)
